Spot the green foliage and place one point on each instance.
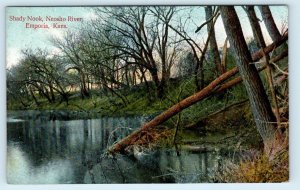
(139, 102)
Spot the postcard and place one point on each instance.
(147, 94)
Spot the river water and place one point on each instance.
(43, 148)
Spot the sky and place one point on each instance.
(18, 37)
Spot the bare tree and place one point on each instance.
(198, 51)
(70, 46)
(41, 76)
(143, 40)
(213, 46)
(261, 109)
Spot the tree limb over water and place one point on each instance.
(214, 87)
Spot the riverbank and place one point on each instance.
(216, 118)
(213, 126)
(138, 101)
(221, 122)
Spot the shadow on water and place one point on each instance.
(43, 150)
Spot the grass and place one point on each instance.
(139, 102)
(256, 168)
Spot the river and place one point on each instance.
(46, 149)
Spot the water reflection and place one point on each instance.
(163, 166)
(43, 140)
(20, 170)
(44, 150)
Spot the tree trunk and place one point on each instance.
(113, 92)
(199, 64)
(261, 43)
(34, 98)
(143, 77)
(214, 51)
(126, 75)
(83, 89)
(119, 147)
(214, 87)
(159, 87)
(269, 22)
(134, 82)
(256, 30)
(64, 97)
(52, 93)
(42, 91)
(261, 108)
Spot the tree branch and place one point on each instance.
(214, 87)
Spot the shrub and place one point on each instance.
(256, 168)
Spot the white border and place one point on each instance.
(294, 68)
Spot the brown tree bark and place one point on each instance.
(175, 109)
(261, 44)
(269, 22)
(260, 106)
(214, 87)
(213, 46)
(256, 30)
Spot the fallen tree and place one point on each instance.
(214, 87)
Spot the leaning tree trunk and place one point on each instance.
(215, 86)
(258, 35)
(269, 22)
(261, 108)
(213, 46)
